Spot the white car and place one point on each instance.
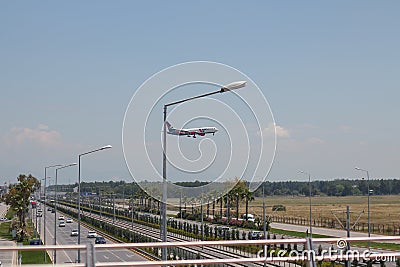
(92, 234)
(62, 224)
(74, 232)
(61, 217)
(69, 220)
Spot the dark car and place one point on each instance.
(49, 209)
(53, 211)
(35, 242)
(100, 240)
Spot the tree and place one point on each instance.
(248, 196)
(18, 199)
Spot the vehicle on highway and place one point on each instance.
(39, 210)
(92, 234)
(69, 220)
(53, 211)
(49, 209)
(35, 242)
(61, 224)
(100, 240)
(39, 214)
(74, 232)
(255, 235)
(61, 217)
(249, 217)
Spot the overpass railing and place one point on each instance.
(342, 252)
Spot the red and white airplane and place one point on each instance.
(191, 131)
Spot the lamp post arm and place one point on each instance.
(192, 98)
(90, 152)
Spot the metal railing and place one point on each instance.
(308, 255)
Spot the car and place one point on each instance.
(3, 219)
(255, 235)
(61, 217)
(49, 209)
(39, 214)
(92, 234)
(35, 242)
(249, 217)
(53, 211)
(39, 210)
(74, 232)
(69, 220)
(100, 240)
(61, 224)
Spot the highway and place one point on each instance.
(70, 256)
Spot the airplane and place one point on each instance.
(191, 131)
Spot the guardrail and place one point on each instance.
(308, 255)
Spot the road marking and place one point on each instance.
(107, 258)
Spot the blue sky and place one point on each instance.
(330, 71)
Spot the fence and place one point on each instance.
(309, 255)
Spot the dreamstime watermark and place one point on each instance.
(341, 253)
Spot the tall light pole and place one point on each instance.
(264, 224)
(55, 210)
(369, 218)
(163, 225)
(79, 194)
(44, 209)
(309, 188)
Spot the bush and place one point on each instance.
(235, 222)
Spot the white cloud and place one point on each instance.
(279, 130)
(40, 135)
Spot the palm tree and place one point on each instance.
(248, 196)
(237, 194)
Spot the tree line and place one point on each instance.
(338, 187)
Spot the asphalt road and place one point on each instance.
(64, 238)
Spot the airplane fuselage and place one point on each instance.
(191, 131)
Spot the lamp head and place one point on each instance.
(233, 86)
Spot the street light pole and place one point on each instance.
(369, 218)
(163, 212)
(79, 194)
(55, 210)
(44, 219)
(309, 188)
(264, 224)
